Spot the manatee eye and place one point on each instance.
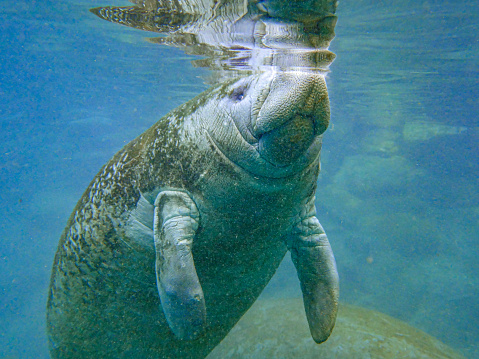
(238, 94)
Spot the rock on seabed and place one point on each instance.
(277, 328)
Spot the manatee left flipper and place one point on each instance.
(314, 261)
(175, 224)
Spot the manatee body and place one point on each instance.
(181, 230)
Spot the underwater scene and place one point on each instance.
(120, 130)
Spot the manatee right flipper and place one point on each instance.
(314, 261)
(175, 224)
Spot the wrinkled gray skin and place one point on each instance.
(180, 231)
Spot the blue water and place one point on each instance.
(398, 193)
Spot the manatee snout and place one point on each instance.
(295, 111)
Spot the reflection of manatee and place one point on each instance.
(215, 192)
(275, 328)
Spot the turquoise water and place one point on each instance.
(397, 195)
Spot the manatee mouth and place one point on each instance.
(285, 132)
(283, 145)
(289, 112)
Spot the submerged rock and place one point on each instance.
(368, 175)
(426, 130)
(276, 328)
(382, 141)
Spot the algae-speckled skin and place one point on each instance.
(103, 300)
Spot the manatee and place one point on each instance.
(178, 234)
(181, 230)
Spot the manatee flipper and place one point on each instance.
(175, 224)
(314, 261)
